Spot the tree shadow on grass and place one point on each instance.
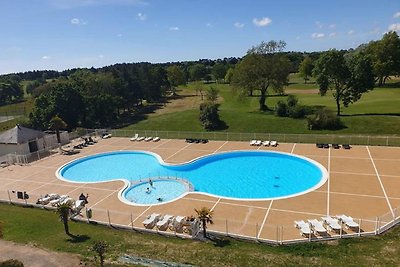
(219, 242)
(78, 238)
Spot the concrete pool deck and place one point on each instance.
(364, 182)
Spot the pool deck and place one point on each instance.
(364, 182)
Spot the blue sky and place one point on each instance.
(61, 34)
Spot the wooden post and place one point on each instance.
(226, 227)
(132, 221)
(359, 227)
(109, 220)
(9, 197)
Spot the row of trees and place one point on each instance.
(10, 90)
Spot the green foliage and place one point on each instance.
(197, 72)
(347, 78)
(212, 94)
(100, 248)
(260, 69)
(176, 77)
(11, 263)
(281, 109)
(229, 75)
(291, 108)
(219, 71)
(10, 90)
(63, 211)
(324, 119)
(306, 68)
(205, 216)
(209, 116)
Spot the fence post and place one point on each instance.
(109, 220)
(257, 231)
(9, 197)
(387, 140)
(376, 226)
(359, 227)
(281, 235)
(132, 221)
(277, 234)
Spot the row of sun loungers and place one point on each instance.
(163, 223)
(328, 223)
(146, 139)
(196, 141)
(54, 200)
(335, 146)
(264, 143)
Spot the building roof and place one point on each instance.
(19, 135)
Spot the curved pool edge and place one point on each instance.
(324, 178)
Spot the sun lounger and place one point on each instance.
(266, 143)
(273, 143)
(151, 220)
(141, 138)
(163, 223)
(78, 206)
(258, 143)
(326, 145)
(317, 226)
(135, 137)
(332, 223)
(47, 198)
(348, 221)
(57, 200)
(68, 151)
(156, 139)
(253, 142)
(105, 136)
(304, 228)
(319, 145)
(177, 223)
(346, 146)
(335, 146)
(149, 138)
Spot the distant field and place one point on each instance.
(376, 113)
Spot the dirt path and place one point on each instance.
(36, 257)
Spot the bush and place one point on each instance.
(292, 101)
(209, 116)
(11, 263)
(298, 112)
(324, 119)
(281, 109)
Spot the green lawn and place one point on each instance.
(376, 113)
(43, 229)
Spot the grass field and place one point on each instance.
(43, 229)
(377, 113)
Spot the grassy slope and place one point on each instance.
(376, 113)
(42, 228)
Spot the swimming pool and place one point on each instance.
(245, 175)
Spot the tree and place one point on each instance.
(10, 90)
(385, 56)
(205, 216)
(100, 248)
(197, 72)
(56, 124)
(63, 211)
(212, 94)
(176, 77)
(262, 68)
(229, 75)
(305, 68)
(209, 116)
(347, 78)
(219, 71)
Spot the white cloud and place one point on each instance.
(262, 22)
(332, 34)
(396, 15)
(394, 27)
(317, 35)
(141, 16)
(174, 28)
(238, 25)
(77, 21)
(332, 26)
(45, 57)
(351, 32)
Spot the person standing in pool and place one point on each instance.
(151, 182)
(148, 190)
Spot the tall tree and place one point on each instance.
(229, 75)
(263, 67)
(305, 68)
(197, 72)
(176, 77)
(205, 216)
(348, 77)
(219, 71)
(385, 55)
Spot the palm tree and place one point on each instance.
(63, 211)
(56, 123)
(205, 216)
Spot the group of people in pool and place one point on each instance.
(148, 190)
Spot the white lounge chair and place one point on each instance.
(332, 223)
(47, 198)
(303, 227)
(135, 137)
(151, 220)
(141, 138)
(258, 143)
(163, 224)
(265, 143)
(156, 139)
(78, 206)
(177, 223)
(57, 200)
(317, 226)
(273, 143)
(348, 221)
(149, 138)
(106, 136)
(253, 142)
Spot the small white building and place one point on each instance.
(23, 141)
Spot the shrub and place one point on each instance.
(281, 109)
(292, 101)
(298, 112)
(11, 263)
(209, 116)
(324, 119)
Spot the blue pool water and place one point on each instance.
(240, 174)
